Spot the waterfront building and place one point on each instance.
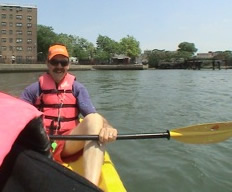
(18, 33)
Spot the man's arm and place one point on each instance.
(107, 132)
(31, 93)
(85, 104)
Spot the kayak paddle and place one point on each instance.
(195, 134)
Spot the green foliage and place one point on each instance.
(130, 46)
(226, 56)
(156, 56)
(183, 55)
(106, 48)
(76, 46)
(102, 56)
(187, 48)
(45, 37)
(153, 61)
(67, 40)
(83, 49)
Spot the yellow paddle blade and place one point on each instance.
(203, 133)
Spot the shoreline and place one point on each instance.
(6, 68)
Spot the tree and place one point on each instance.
(45, 37)
(67, 40)
(183, 55)
(225, 56)
(106, 48)
(83, 49)
(101, 56)
(187, 47)
(130, 46)
(107, 44)
(155, 56)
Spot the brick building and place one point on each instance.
(18, 33)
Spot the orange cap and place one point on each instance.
(57, 50)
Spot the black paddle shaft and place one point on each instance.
(119, 137)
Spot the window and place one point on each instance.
(3, 40)
(4, 48)
(3, 31)
(10, 32)
(29, 25)
(19, 40)
(3, 23)
(19, 32)
(29, 41)
(11, 40)
(29, 32)
(19, 58)
(4, 8)
(29, 9)
(11, 24)
(19, 24)
(19, 9)
(3, 16)
(19, 48)
(29, 17)
(29, 48)
(19, 17)
(28, 58)
(11, 16)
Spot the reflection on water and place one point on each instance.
(154, 101)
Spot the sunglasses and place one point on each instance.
(55, 62)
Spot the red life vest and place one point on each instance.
(58, 103)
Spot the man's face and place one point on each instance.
(58, 67)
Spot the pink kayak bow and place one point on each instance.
(15, 114)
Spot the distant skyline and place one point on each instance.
(156, 24)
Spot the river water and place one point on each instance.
(156, 101)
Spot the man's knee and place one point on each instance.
(93, 123)
(93, 116)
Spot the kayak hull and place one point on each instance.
(109, 180)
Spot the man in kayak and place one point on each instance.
(61, 98)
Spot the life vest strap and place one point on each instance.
(55, 91)
(61, 119)
(57, 105)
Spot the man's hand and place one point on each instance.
(107, 133)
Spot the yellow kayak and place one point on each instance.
(109, 181)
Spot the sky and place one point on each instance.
(156, 24)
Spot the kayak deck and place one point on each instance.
(109, 180)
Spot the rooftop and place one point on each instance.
(17, 5)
